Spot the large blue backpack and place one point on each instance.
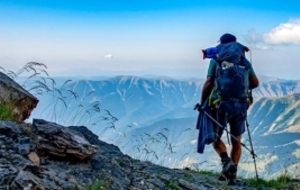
(232, 72)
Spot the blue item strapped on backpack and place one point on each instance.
(211, 52)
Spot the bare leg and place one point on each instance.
(236, 150)
(219, 146)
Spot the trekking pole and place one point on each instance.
(208, 115)
(227, 132)
(228, 139)
(252, 150)
(247, 125)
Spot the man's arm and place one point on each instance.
(253, 82)
(209, 83)
(207, 88)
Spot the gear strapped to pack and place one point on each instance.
(232, 72)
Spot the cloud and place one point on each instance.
(262, 47)
(108, 56)
(285, 33)
(252, 37)
(256, 40)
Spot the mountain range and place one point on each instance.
(152, 118)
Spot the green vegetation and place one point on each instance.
(188, 177)
(277, 183)
(174, 186)
(6, 112)
(103, 184)
(211, 173)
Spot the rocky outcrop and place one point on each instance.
(37, 177)
(20, 168)
(108, 168)
(13, 96)
(59, 141)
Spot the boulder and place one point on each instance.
(39, 177)
(10, 129)
(59, 141)
(16, 98)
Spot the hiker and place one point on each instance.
(228, 96)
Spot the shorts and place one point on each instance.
(232, 112)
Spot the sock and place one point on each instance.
(224, 155)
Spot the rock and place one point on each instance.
(59, 141)
(107, 168)
(94, 139)
(166, 177)
(10, 129)
(24, 146)
(34, 158)
(20, 101)
(19, 161)
(37, 177)
(25, 180)
(88, 135)
(188, 185)
(7, 172)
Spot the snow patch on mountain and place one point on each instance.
(296, 153)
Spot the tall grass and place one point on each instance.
(64, 105)
(159, 147)
(148, 146)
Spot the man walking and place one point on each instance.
(230, 101)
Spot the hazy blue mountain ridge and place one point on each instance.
(136, 100)
(159, 112)
(139, 96)
(274, 128)
(276, 114)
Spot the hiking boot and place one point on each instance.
(237, 182)
(228, 171)
(232, 180)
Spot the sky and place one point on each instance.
(150, 37)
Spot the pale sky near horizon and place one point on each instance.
(147, 35)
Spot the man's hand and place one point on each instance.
(203, 53)
(198, 107)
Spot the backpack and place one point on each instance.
(232, 72)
